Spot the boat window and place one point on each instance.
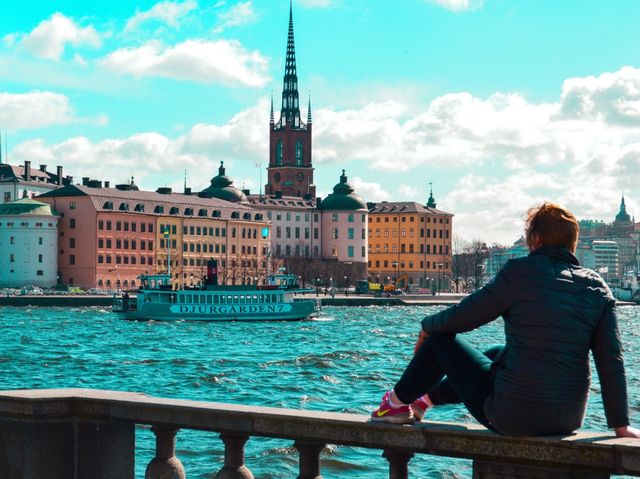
(195, 299)
(209, 299)
(235, 299)
(181, 300)
(216, 299)
(203, 299)
(223, 299)
(255, 298)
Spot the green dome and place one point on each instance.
(26, 206)
(343, 197)
(223, 189)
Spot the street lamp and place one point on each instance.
(317, 287)
(439, 265)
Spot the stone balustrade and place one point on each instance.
(90, 434)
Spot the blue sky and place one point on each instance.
(500, 103)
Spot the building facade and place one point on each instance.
(109, 236)
(410, 244)
(28, 244)
(26, 182)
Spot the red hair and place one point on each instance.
(552, 225)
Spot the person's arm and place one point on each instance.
(607, 355)
(477, 309)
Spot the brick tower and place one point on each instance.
(290, 170)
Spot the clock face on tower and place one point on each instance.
(276, 177)
(300, 176)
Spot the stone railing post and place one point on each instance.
(234, 467)
(398, 463)
(165, 465)
(309, 459)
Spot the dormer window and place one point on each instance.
(188, 211)
(216, 214)
(124, 207)
(202, 212)
(174, 210)
(159, 209)
(139, 207)
(108, 205)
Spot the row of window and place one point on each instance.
(121, 226)
(297, 215)
(230, 298)
(350, 233)
(296, 232)
(12, 240)
(119, 259)
(120, 244)
(411, 219)
(403, 233)
(437, 249)
(410, 265)
(12, 258)
(26, 224)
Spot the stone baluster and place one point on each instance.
(234, 467)
(398, 463)
(165, 465)
(309, 459)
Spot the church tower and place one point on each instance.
(290, 170)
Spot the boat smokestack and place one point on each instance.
(212, 272)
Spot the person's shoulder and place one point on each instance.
(592, 280)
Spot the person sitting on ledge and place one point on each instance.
(554, 312)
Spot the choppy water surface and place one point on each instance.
(341, 362)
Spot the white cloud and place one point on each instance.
(458, 5)
(411, 193)
(170, 13)
(34, 110)
(369, 191)
(50, 37)
(221, 61)
(241, 13)
(156, 159)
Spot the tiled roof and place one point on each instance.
(112, 199)
(404, 207)
(284, 202)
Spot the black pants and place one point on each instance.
(469, 379)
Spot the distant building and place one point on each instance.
(603, 257)
(26, 182)
(109, 236)
(28, 244)
(410, 243)
(290, 171)
(499, 255)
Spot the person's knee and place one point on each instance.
(441, 339)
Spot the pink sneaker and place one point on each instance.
(387, 413)
(419, 408)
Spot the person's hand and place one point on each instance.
(421, 339)
(627, 431)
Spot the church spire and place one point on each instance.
(431, 202)
(271, 115)
(309, 111)
(290, 112)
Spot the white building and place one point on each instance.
(26, 182)
(603, 257)
(28, 244)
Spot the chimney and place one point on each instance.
(27, 170)
(70, 179)
(107, 184)
(85, 180)
(59, 175)
(164, 190)
(43, 168)
(246, 191)
(187, 191)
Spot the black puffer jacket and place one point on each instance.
(554, 312)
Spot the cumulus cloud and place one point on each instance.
(316, 3)
(34, 110)
(50, 37)
(369, 191)
(458, 5)
(222, 61)
(156, 159)
(170, 13)
(241, 13)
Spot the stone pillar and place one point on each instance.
(398, 463)
(165, 465)
(234, 467)
(309, 459)
(493, 470)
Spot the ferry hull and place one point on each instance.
(298, 310)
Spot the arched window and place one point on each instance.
(299, 155)
(279, 153)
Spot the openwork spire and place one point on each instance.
(309, 111)
(290, 99)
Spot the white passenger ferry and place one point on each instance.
(158, 301)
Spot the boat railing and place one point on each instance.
(90, 434)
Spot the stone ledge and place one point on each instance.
(592, 451)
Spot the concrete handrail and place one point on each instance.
(114, 414)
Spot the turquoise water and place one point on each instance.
(342, 362)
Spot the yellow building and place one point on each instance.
(410, 245)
